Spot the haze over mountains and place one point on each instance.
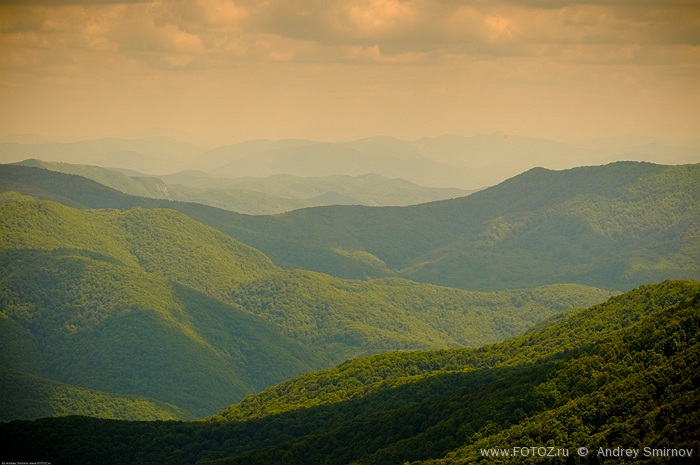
(446, 161)
(269, 195)
(352, 232)
(614, 226)
(115, 305)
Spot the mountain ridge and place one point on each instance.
(271, 195)
(482, 160)
(613, 226)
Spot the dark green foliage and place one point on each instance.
(126, 302)
(25, 396)
(620, 374)
(629, 383)
(614, 227)
(577, 329)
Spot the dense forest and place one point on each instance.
(622, 374)
(148, 302)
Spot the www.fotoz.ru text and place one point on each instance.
(615, 452)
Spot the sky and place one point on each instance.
(225, 71)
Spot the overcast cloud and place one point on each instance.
(220, 70)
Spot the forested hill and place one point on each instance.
(613, 226)
(149, 302)
(622, 374)
(132, 302)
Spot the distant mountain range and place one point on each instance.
(430, 334)
(614, 226)
(258, 196)
(447, 161)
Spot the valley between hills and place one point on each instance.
(556, 308)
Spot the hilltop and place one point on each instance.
(614, 226)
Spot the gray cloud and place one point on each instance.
(222, 31)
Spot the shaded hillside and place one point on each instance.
(619, 374)
(348, 318)
(103, 326)
(141, 186)
(29, 397)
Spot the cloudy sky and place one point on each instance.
(220, 71)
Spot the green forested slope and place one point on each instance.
(27, 396)
(350, 318)
(130, 302)
(149, 302)
(623, 374)
(620, 374)
(112, 328)
(141, 186)
(613, 226)
(155, 240)
(552, 339)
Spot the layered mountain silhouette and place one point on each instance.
(613, 226)
(443, 332)
(269, 195)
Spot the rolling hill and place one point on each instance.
(622, 374)
(107, 296)
(142, 186)
(148, 302)
(613, 226)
